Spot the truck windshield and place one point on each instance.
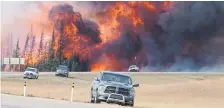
(116, 78)
(62, 67)
(33, 70)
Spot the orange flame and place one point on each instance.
(111, 22)
(107, 63)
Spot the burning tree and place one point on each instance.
(41, 47)
(16, 54)
(32, 49)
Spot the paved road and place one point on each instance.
(10, 101)
(6, 74)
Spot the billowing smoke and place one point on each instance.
(156, 36)
(187, 28)
(177, 33)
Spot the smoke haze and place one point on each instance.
(157, 36)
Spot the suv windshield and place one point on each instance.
(116, 78)
(33, 70)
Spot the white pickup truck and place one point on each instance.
(133, 68)
(31, 73)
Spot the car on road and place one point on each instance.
(62, 70)
(113, 87)
(31, 73)
(133, 68)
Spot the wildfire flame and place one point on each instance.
(78, 36)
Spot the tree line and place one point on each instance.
(46, 58)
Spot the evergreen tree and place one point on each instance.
(32, 49)
(25, 50)
(51, 47)
(45, 52)
(73, 64)
(16, 51)
(40, 50)
(26, 45)
(16, 54)
(53, 61)
(40, 56)
(61, 43)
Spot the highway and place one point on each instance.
(10, 101)
(7, 74)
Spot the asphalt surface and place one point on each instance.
(11, 101)
(6, 74)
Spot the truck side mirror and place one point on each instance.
(96, 79)
(136, 85)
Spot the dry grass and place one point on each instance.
(157, 90)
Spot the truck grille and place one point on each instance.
(114, 96)
(29, 73)
(122, 91)
(110, 89)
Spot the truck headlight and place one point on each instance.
(101, 88)
(132, 92)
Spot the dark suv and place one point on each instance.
(62, 70)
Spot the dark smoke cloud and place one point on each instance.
(187, 27)
(178, 39)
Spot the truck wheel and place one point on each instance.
(92, 98)
(132, 104)
(96, 100)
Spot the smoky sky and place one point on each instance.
(196, 22)
(184, 34)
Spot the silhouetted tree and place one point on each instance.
(16, 54)
(61, 44)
